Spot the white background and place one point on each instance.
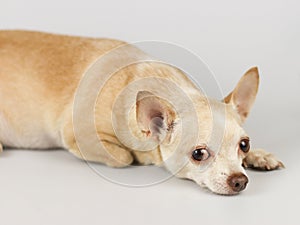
(52, 187)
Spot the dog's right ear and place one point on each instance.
(244, 94)
(155, 116)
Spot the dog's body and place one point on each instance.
(40, 74)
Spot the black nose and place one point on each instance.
(237, 182)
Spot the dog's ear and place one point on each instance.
(244, 94)
(155, 116)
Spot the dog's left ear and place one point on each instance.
(244, 94)
(155, 116)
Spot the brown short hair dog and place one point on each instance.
(40, 75)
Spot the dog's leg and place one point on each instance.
(148, 157)
(112, 154)
(261, 160)
(1, 148)
(117, 155)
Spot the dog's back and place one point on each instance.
(39, 73)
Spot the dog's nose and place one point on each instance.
(237, 182)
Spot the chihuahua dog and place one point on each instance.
(144, 111)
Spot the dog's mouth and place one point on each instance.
(222, 189)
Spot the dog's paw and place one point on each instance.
(261, 160)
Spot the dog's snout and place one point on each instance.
(237, 182)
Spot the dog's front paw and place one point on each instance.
(261, 160)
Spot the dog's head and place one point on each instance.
(214, 158)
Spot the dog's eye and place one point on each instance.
(200, 154)
(245, 145)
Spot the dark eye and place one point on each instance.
(245, 145)
(200, 154)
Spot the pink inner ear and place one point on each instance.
(242, 96)
(155, 120)
(154, 115)
(156, 124)
(245, 93)
(150, 114)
